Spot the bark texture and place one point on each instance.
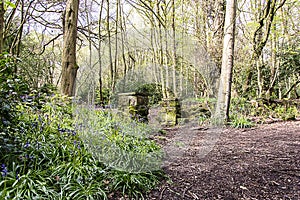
(2, 12)
(69, 66)
(224, 92)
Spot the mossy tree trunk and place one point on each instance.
(69, 66)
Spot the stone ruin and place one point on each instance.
(135, 104)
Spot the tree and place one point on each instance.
(112, 72)
(264, 20)
(2, 11)
(99, 53)
(69, 65)
(224, 92)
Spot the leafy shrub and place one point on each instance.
(49, 160)
(106, 96)
(11, 90)
(265, 108)
(285, 113)
(242, 106)
(53, 157)
(197, 109)
(134, 184)
(121, 143)
(153, 91)
(47, 152)
(239, 121)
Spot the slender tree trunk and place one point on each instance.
(99, 54)
(174, 56)
(19, 38)
(16, 43)
(2, 12)
(91, 100)
(181, 52)
(260, 83)
(69, 65)
(116, 41)
(161, 54)
(154, 59)
(218, 24)
(123, 37)
(112, 73)
(166, 51)
(224, 92)
(274, 65)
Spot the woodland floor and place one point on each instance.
(262, 162)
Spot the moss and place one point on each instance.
(168, 116)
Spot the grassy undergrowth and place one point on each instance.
(240, 121)
(243, 110)
(118, 141)
(51, 149)
(54, 155)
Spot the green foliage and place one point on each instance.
(49, 159)
(35, 68)
(120, 142)
(285, 113)
(289, 67)
(264, 108)
(240, 121)
(47, 152)
(53, 160)
(198, 109)
(12, 91)
(241, 106)
(134, 184)
(9, 4)
(105, 96)
(152, 90)
(290, 58)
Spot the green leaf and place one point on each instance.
(9, 4)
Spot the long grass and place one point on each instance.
(60, 152)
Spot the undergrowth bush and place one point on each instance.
(48, 160)
(285, 113)
(240, 121)
(46, 150)
(241, 106)
(153, 91)
(262, 108)
(121, 143)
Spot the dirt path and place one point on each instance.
(258, 163)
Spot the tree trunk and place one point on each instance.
(99, 55)
(224, 92)
(112, 73)
(161, 52)
(218, 25)
(174, 56)
(118, 4)
(69, 65)
(2, 12)
(123, 38)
